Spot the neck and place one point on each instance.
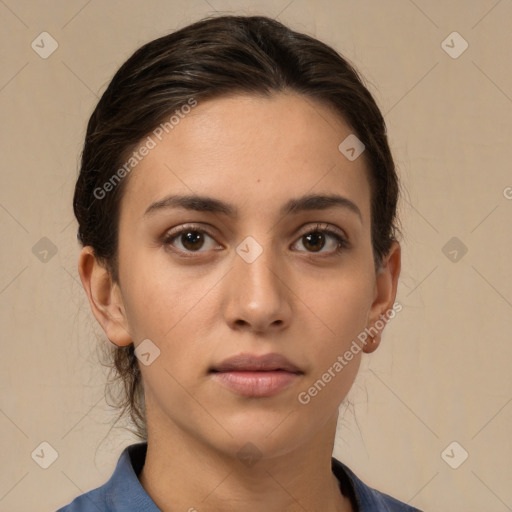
(182, 473)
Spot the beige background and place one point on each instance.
(442, 373)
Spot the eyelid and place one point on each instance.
(331, 230)
(174, 233)
(324, 226)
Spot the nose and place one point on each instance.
(258, 294)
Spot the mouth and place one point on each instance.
(256, 376)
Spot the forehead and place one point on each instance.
(251, 151)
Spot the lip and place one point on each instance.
(256, 376)
(254, 363)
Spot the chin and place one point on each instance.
(268, 434)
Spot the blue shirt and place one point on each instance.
(124, 493)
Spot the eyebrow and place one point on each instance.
(293, 206)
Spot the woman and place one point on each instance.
(237, 211)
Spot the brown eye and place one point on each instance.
(316, 239)
(189, 240)
(192, 240)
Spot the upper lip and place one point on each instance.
(249, 362)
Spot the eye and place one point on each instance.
(191, 238)
(317, 238)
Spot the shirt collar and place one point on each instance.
(125, 492)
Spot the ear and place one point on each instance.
(104, 298)
(386, 284)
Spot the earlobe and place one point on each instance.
(386, 283)
(106, 304)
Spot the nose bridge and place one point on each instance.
(256, 266)
(257, 292)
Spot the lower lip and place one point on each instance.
(256, 384)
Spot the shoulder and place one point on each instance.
(123, 491)
(95, 499)
(370, 499)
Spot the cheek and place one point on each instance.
(175, 312)
(341, 304)
(341, 308)
(158, 297)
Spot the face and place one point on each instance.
(252, 277)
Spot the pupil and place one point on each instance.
(191, 239)
(316, 237)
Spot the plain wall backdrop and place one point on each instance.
(442, 373)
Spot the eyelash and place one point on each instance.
(342, 241)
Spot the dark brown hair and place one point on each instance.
(213, 57)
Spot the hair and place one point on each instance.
(210, 58)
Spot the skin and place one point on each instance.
(307, 304)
